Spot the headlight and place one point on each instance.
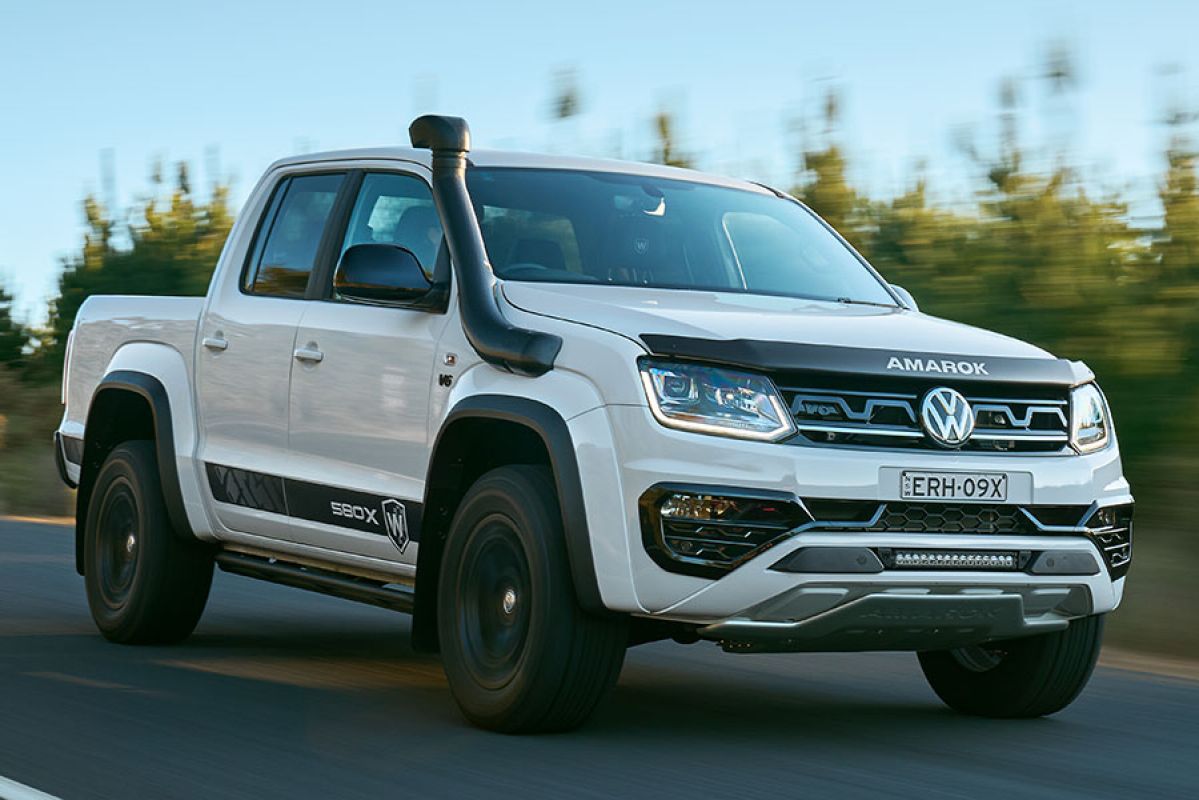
(714, 400)
(1090, 421)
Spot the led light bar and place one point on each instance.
(953, 559)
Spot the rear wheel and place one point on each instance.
(1028, 677)
(145, 583)
(519, 653)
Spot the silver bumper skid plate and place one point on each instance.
(889, 622)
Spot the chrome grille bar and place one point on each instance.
(878, 418)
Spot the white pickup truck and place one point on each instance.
(557, 407)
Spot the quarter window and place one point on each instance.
(287, 253)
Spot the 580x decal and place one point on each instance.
(395, 522)
(398, 520)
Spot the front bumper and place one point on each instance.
(777, 611)
(757, 606)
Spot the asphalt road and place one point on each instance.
(286, 694)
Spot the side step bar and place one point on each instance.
(361, 590)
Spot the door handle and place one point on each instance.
(217, 343)
(309, 354)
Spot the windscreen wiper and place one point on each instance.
(851, 302)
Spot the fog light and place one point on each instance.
(696, 506)
(707, 531)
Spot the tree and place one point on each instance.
(13, 336)
(1177, 249)
(666, 150)
(1178, 246)
(824, 185)
(567, 100)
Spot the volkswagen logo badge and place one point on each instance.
(947, 417)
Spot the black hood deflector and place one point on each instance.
(771, 357)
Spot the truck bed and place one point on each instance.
(105, 324)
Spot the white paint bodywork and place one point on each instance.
(723, 315)
(367, 415)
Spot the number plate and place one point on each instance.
(989, 487)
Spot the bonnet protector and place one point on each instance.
(794, 357)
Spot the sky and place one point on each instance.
(231, 86)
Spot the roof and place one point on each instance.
(505, 158)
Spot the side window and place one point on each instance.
(396, 209)
(286, 252)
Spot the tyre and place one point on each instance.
(1028, 677)
(145, 583)
(519, 654)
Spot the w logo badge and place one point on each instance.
(395, 521)
(947, 417)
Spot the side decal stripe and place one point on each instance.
(241, 487)
(397, 519)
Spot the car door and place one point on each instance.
(361, 385)
(244, 363)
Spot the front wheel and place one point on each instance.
(1029, 677)
(519, 653)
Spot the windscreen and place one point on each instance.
(568, 226)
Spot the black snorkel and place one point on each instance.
(496, 340)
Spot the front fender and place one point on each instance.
(569, 394)
(551, 428)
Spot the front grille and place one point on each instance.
(1110, 527)
(1007, 419)
(912, 517)
(870, 516)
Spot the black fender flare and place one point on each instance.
(549, 425)
(150, 389)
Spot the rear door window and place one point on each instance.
(288, 246)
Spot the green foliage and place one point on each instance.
(567, 100)
(824, 183)
(13, 336)
(29, 412)
(667, 150)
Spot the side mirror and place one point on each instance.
(380, 273)
(905, 296)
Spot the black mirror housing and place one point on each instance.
(380, 273)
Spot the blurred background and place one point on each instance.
(1026, 167)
